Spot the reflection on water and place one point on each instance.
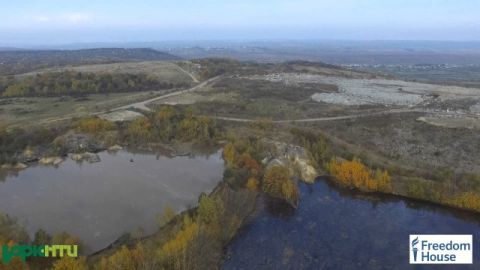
(343, 229)
(99, 202)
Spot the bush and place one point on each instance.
(316, 144)
(277, 183)
(125, 259)
(252, 184)
(94, 125)
(67, 263)
(140, 130)
(169, 124)
(242, 159)
(468, 200)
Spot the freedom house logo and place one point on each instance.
(441, 249)
(23, 252)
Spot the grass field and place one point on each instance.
(35, 110)
(161, 70)
(18, 112)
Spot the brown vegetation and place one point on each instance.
(172, 124)
(94, 125)
(278, 183)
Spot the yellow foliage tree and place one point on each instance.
(125, 259)
(252, 184)
(174, 253)
(210, 209)
(355, 174)
(229, 154)
(166, 113)
(94, 125)
(140, 129)
(468, 200)
(168, 214)
(67, 263)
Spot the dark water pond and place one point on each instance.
(340, 229)
(99, 202)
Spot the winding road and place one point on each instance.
(142, 105)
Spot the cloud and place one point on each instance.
(74, 18)
(41, 18)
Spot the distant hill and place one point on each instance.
(20, 61)
(9, 49)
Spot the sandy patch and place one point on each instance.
(121, 116)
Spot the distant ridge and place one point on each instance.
(20, 61)
(3, 49)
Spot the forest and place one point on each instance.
(70, 83)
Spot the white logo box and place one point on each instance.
(440, 249)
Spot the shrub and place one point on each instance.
(316, 144)
(167, 216)
(468, 200)
(252, 184)
(140, 129)
(168, 124)
(277, 183)
(94, 125)
(67, 263)
(126, 259)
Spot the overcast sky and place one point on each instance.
(67, 21)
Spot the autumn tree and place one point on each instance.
(135, 258)
(248, 163)
(278, 183)
(68, 263)
(140, 129)
(94, 125)
(174, 254)
(315, 143)
(41, 237)
(64, 238)
(356, 174)
(229, 154)
(210, 209)
(467, 200)
(167, 215)
(252, 184)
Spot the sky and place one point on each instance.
(76, 21)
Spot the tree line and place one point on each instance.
(72, 83)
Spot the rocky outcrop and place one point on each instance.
(55, 161)
(115, 147)
(17, 166)
(79, 143)
(87, 156)
(296, 158)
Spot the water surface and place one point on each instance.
(341, 229)
(99, 202)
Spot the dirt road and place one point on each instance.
(143, 104)
(186, 72)
(321, 119)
